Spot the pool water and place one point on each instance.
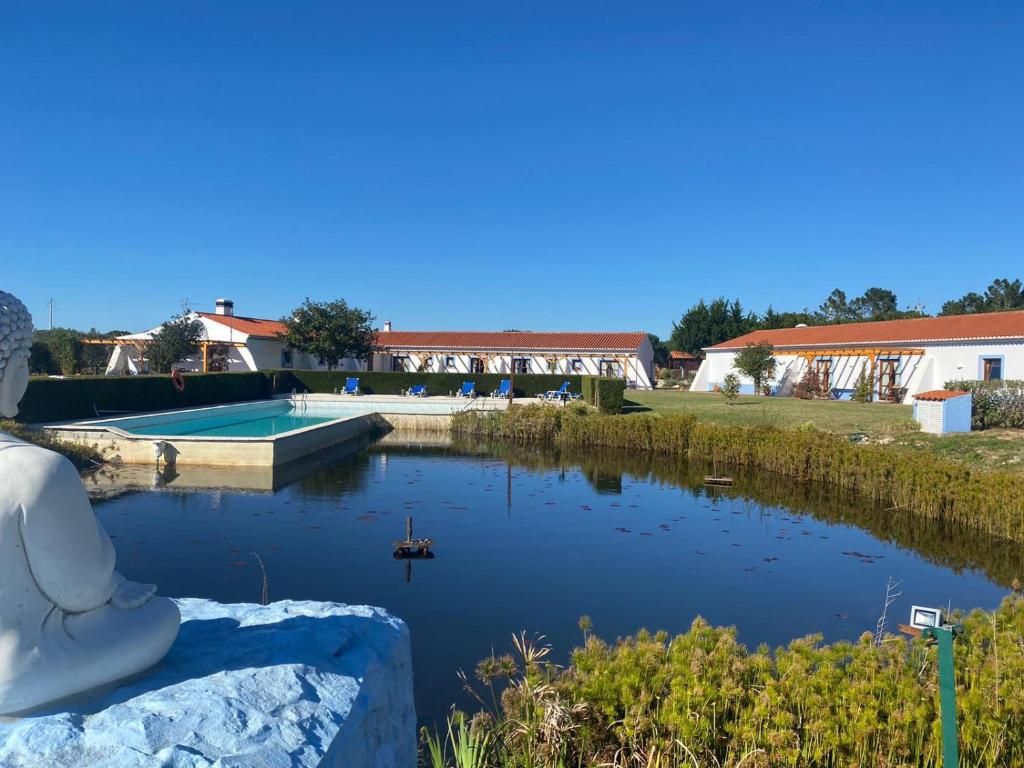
(253, 424)
(266, 418)
(531, 541)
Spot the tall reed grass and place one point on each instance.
(899, 478)
(702, 699)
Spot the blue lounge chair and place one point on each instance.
(351, 386)
(562, 393)
(503, 389)
(468, 389)
(417, 390)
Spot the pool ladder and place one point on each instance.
(299, 400)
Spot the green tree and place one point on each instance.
(330, 331)
(661, 350)
(66, 349)
(40, 359)
(730, 387)
(757, 362)
(875, 304)
(704, 325)
(1000, 296)
(176, 340)
(772, 320)
(836, 309)
(862, 389)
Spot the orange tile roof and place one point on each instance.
(252, 326)
(572, 341)
(941, 394)
(675, 354)
(992, 325)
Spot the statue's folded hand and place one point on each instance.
(130, 594)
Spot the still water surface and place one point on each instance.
(530, 541)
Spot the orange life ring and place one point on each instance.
(178, 380)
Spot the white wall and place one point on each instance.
(941, 362)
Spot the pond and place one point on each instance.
(530, 540)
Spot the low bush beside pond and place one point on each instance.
(905, 480)
(703, 699)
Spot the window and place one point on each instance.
(449, 364)
(521, 365)
(992, 368)
(610, 368)
(476, 365)
(398, 363)
(576, 366)
(286, 358)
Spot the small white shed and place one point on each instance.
(942, 411)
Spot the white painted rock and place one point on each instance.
(291, 684)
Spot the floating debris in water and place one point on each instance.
(769, 559)
(623, 530)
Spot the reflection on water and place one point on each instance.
(531, 540)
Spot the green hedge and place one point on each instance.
(604, 393)
(387, 383)
(994, 403)
(75, 398)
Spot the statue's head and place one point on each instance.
(15, 342)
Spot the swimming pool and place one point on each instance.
(246, 423)
(261, 433)
(268, 418)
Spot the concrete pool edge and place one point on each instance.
(388, 412)
(117, 445)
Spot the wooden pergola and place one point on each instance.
(488, 356)
(872, 354)
(140, 346)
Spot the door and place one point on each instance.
(823, 369)
(886, 378)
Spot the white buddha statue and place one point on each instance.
(68, 621)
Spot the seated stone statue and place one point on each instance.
(68, 621)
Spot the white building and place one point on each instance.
(901, 357)
(235, 343)
(627, 355)
(231, 343)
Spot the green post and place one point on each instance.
(947, 691)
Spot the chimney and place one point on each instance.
(225, 307)
(387, 326)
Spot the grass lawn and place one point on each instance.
(783, 412)
(1000, 449)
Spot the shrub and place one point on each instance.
(702, 698)
(730, 387)
(809, 386)
(82, 456)
(862, 389)
(994, 403)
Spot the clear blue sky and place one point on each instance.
(483, 165)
